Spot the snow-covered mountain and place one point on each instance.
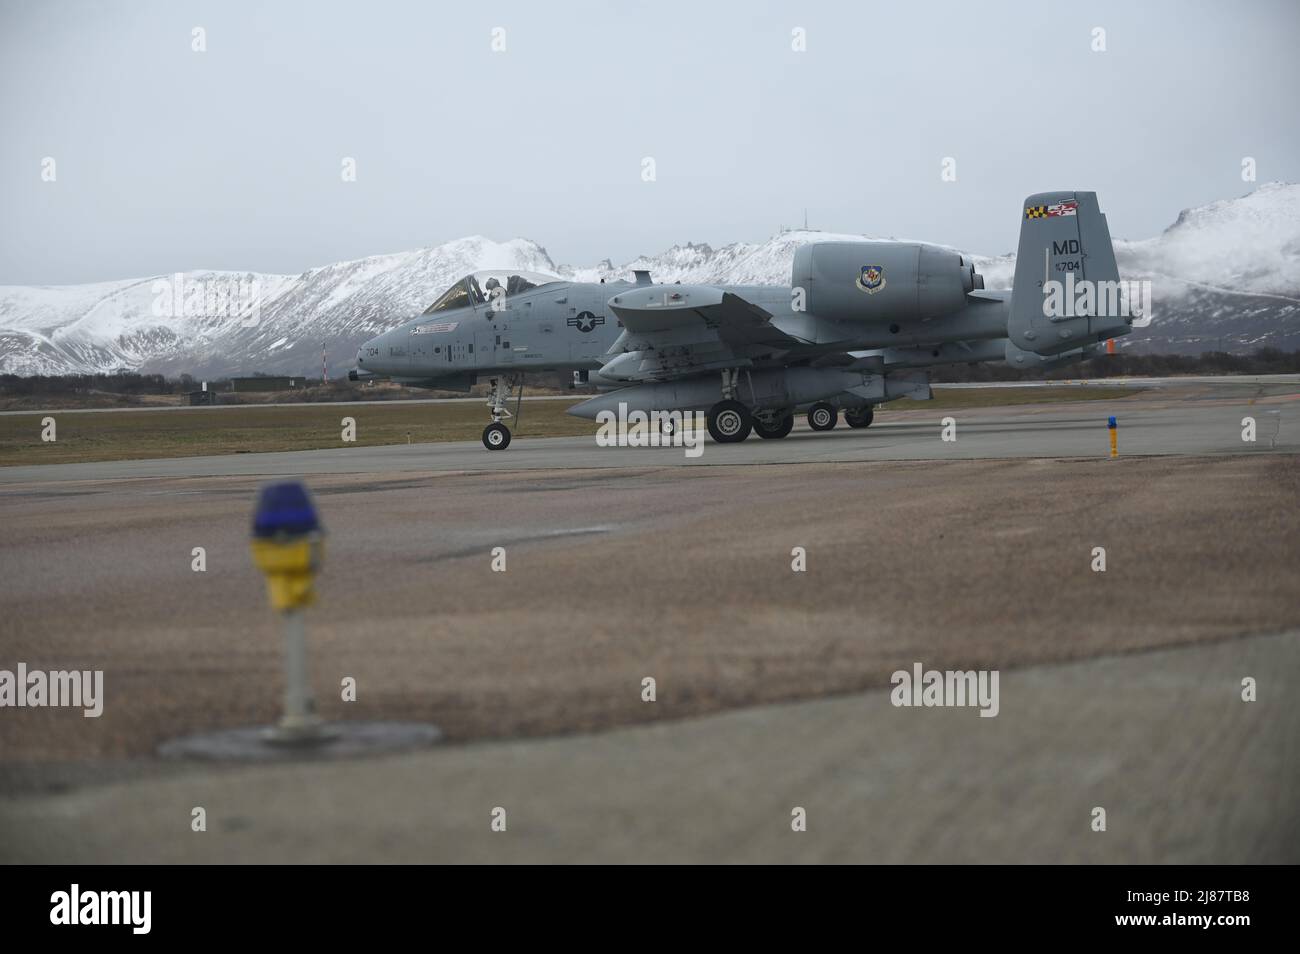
(1227, 273)
(114, 325)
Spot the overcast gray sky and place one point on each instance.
(168, 159)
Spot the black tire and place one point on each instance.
(822, 416)
(861, 417)
(729, 422)
(782, 428)
(496, 436)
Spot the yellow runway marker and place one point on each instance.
(287, 549)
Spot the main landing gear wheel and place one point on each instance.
(822, 416)
(777, 429)
(496, 436)
(861, 417)
(729, 422)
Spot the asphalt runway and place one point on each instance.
(1120, 689)
(1246, 380)
(878, 785)
(1199, 417)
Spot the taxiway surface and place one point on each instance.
(1121, 689)
(1191, 418)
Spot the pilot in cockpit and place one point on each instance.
(494, 294)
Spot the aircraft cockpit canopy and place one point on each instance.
(478, 288)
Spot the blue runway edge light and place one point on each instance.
(1110, 422)
(284, 509)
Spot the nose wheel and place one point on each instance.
(496, 436)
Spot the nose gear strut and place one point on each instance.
(496, 436)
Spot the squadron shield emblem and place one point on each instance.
(872, 279)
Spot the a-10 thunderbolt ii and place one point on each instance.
(858, 326)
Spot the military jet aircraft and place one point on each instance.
(858, 325)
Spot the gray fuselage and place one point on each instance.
(564, 326)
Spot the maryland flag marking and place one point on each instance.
(1051, 211)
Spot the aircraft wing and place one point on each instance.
(674, 330)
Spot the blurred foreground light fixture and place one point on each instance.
(287, 547)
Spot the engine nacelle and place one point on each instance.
(882, 281)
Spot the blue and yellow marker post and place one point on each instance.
(287, 547)
(1114, 436)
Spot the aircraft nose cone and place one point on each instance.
(374, 355)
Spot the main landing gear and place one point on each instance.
(773, 425)
(822, 416)
(496, 436)
(859, 416)
(729, 421)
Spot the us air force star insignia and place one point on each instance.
(586, 321)
(872, 279)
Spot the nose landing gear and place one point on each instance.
(496, 436)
